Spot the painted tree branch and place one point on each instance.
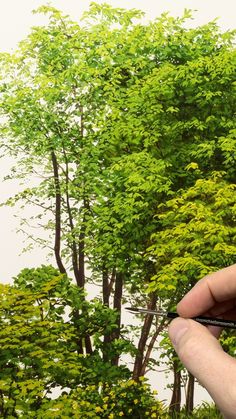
(57, 242)
(151, 344)
(74, 249)
(175, 403)
(138, 364)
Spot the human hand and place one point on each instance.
(197, 346)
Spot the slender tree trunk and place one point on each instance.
(118, 300)
(107, 337)
(78, 259)
(81, 273)
(57, 243)
(81, 248)
(88, 345)
(150, 348)
(107, 285)
(74, 255)
(190, 393)
(175, 404)
(79, 340)
(138, 363)
(119, 279)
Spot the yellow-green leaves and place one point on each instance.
(198, 235)
(43, 317)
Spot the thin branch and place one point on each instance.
(71, 224)
(57, 243)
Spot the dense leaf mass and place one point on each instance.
(123, 134)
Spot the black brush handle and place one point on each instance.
(207, 320)
(200, 319)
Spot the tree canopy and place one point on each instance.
(126, 131)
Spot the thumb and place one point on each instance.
(203, 356)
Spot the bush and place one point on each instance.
(130, 400)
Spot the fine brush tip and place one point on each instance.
(146, 311)
(132, 309)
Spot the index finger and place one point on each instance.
(214, 288)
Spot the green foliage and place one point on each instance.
(42, 321)
(125, 399)
(46, 277)
(204, 411)
(39, 354)
(125, 107)
(197, 235)
(130, 130)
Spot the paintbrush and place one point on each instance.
(172, 315)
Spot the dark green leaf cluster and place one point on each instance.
(43, 319)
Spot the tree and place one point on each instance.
(198, 237)
(164, 126)
(203, 217)
(109, 113)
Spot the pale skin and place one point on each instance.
(198, 346)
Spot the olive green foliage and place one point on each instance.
(205, 411)
(126, 399)
(130, 131)
(42, 373)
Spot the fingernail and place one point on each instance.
(177, 329)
